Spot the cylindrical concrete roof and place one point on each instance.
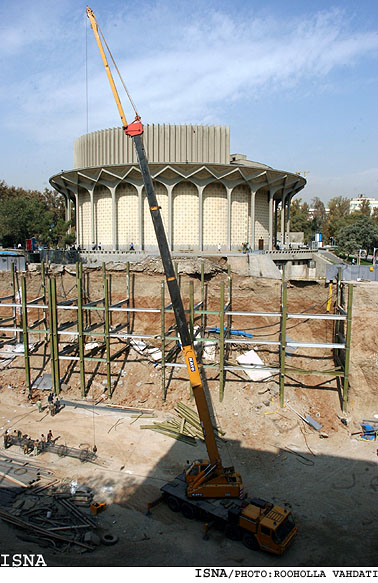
(163, 143)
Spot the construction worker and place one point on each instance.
(49, 436)
(36, 447)
(43, 442)
(28, 443)
(56, 406)
(39, 405)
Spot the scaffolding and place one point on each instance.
(49, 325)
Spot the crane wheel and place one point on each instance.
(233, 532)
(187, 511)
(250, 541)
(173, 504)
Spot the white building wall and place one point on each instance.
(102, 199)
(127, 224)
(215, 213)
(185, 216)
(262, 218)
(240, 215)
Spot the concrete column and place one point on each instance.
(68, 207)
(140, 216)
(253, 218)
(271, 199)
(200, 215)
(290, 196)
(275, 221)
(93, 237)
(169, 188)
(283, 204)
(229, 194)
(114, 218)
(77, 221)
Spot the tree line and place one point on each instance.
(349, 232)
(30, 213)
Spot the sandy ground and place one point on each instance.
(330, 483)
(332, 489)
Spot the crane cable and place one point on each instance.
(119, 74)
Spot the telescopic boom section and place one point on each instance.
(205, 478)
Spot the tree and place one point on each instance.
(362, 233)
(319, 214)
(338, 216)
(29, 213)
(365, 208)
(300, 218)
(22, 218)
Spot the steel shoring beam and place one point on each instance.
(162, 324)
(275, 370)
(283, 342)
(348, 335)
(25, 333)
(194, 310)
(107, 338)
(55, 339)
(80, 324)
(221, 343)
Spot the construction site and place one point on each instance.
(288, 403)
(195, 405)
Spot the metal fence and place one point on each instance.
(6, 259)
(352, 272)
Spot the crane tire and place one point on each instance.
(173, 503)
(250, 541)
(109, 539)
(187, 511)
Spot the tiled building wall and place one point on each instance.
(185, 216)
(214, 216)
(127, 205)
(262, 217)
(240, 215)
(102, 199)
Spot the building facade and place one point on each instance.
(356, 203)
(208, 197)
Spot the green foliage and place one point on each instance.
(319, 215)
(365, 208)
(338, 216)
(29, 213)
(300, 218)
(362, 233)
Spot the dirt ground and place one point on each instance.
(329, 482)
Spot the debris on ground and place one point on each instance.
(186, 427)
(251, 359)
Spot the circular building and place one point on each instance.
(208, 197)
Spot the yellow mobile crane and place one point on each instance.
(205, 488)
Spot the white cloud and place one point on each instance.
(178, 70)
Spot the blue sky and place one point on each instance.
(296, 81)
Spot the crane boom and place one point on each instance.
(204, 477)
